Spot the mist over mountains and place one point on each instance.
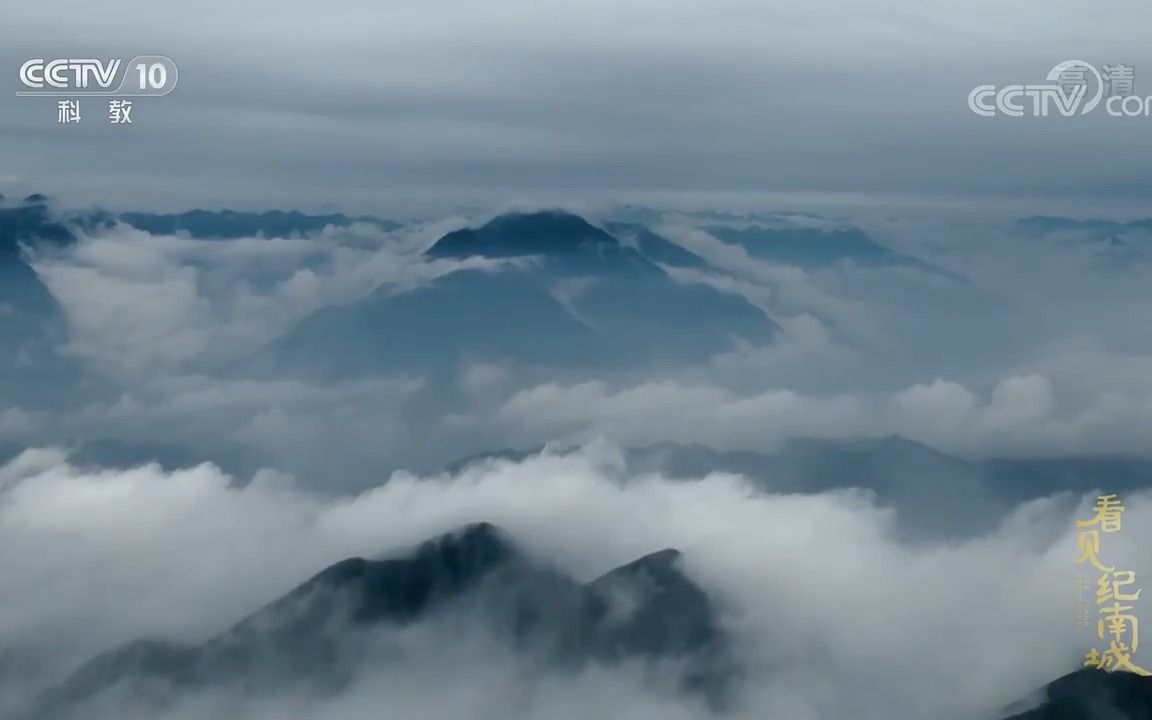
(541, 462)
(584, 300)
(313, 635)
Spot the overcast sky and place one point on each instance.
(407, 107)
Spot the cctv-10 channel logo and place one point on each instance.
(143, 75)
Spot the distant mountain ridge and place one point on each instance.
(1117, 244)
(588, 297)
(1042, 225)
(232, 224)
(40, 222)
(819, 248)
(936, 495)
(585, 300)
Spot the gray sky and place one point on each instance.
(409, 107)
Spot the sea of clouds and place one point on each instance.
(831, 612)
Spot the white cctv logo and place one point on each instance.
(68, 74)
(1038, 99)
(142, 76)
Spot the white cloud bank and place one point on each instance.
(140, 305)
(1020, 414)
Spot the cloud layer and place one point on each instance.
(986, 361)
(829, 609)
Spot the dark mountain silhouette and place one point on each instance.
(313, 636)
(568, 244)
(1093, 695)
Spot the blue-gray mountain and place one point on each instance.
(578, 298)
(232, 224)
(32, 325)
(1117, 245)
(816, 248)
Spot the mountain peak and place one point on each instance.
(401, 588)
(657, 562)
(553, 219)
(546, 232)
